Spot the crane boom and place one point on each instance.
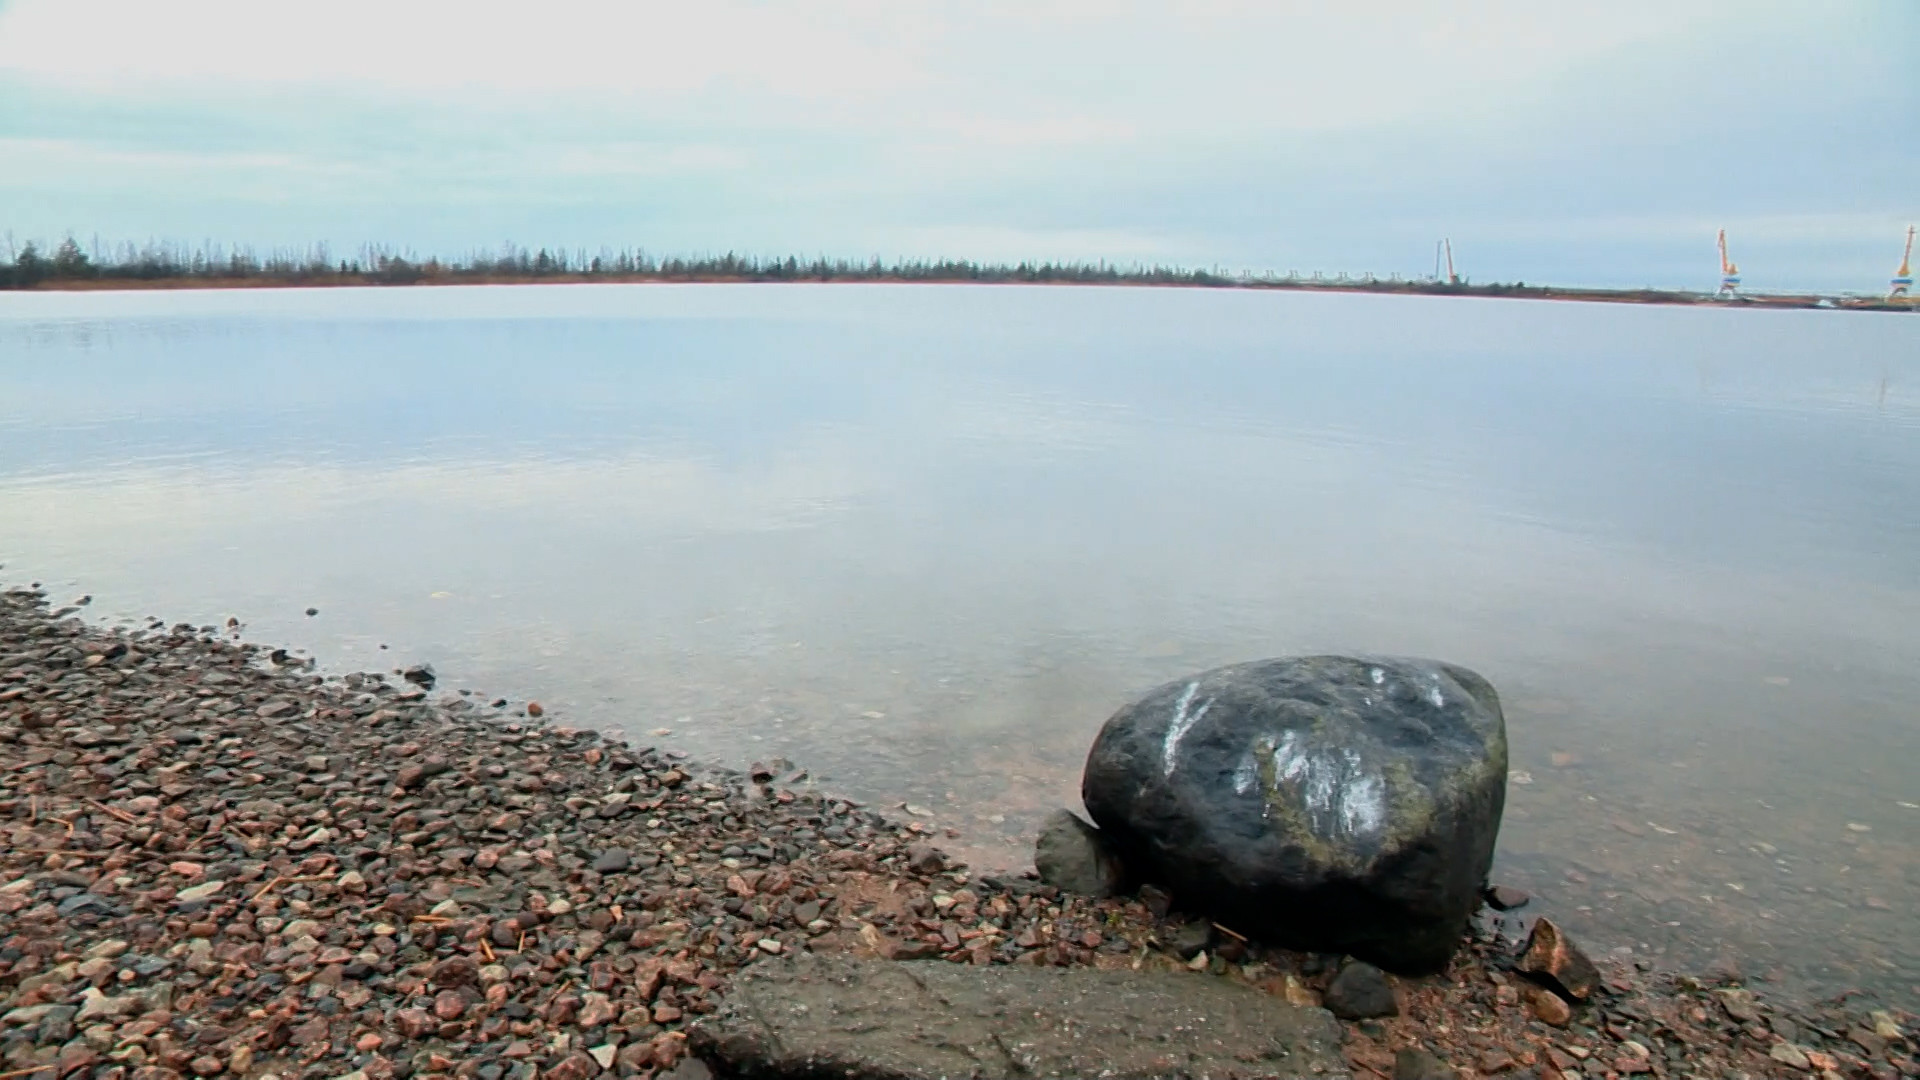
(1903, 277)
(1729, 273)
(1452, 278)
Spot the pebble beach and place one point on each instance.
(219, 862)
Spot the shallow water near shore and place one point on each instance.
(922, 541)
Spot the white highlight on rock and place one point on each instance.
(1434, 695)
(1337, 792)
(1289, 761)
(1181, 723)
(1363, 803)
(1379, 677)
(1246, 774)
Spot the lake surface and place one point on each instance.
(922, 541)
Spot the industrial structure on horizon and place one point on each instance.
(1729, 273)
(1903, 277)
(1901, 285)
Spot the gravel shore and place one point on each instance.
(217, 862)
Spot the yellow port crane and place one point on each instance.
(1903, 277)
(1729, 273)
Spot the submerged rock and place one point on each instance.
(1329, 803)
(1072, 855)
(868, 1019)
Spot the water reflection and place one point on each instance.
(922, 541)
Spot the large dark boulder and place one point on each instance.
(1327, 803)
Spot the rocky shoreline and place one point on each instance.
(218, 863)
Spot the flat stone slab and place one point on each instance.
(859, 1019)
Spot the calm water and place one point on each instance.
(923, 541)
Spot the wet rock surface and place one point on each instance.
(872, 1020)
(1330, 803)
(214, 864)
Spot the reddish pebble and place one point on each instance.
(414, 1023)
(534, 709)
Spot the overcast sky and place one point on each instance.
(1593, 143)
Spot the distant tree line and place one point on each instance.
(69, 265)
(29, 266)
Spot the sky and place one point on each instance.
(1598, 144)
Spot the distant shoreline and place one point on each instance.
(1199, 280)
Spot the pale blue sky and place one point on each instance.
(1579, 143)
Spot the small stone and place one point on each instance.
(207, 1065)
(909, 949)
(1738, 1004)
(1554, 960)
(421, 675)
(1190, 938)
(1414, 1064)
(1359, 992)
(95, 1005)
(449, 1005)
(605, 1053)
(534, 709)
(1506, 898)
(576, 1066)
(1547, 1006)
(666, 1014)
(1790, 1055)
(611, 861)
(415, 1023)
(455, 971)
(770, 946)
(688, 1069)
(595, 1010)
(925, 859)
(199, 892)
(310, 1032)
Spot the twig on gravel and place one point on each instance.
(118, 813)
(279, 881)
